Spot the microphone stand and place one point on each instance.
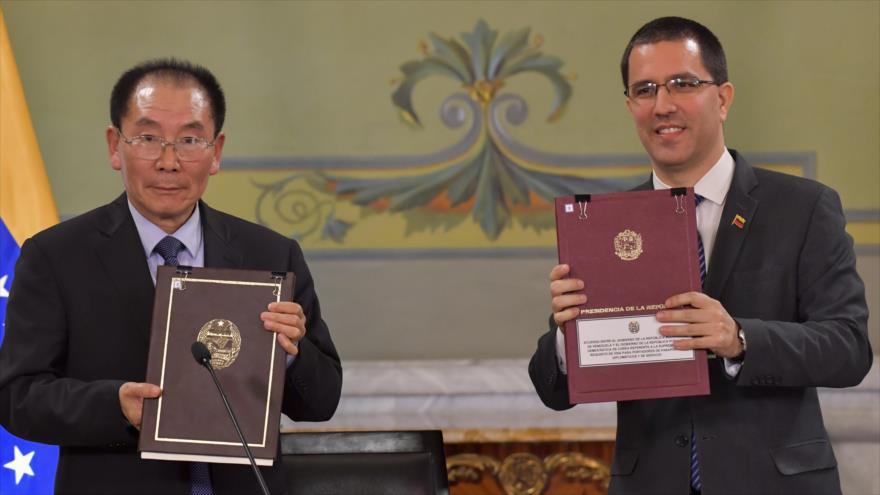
(206, 362)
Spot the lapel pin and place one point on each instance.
(739, 221)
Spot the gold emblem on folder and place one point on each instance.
(223, 339)
(628, 245)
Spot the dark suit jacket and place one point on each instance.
(78, 326)
(789, 279)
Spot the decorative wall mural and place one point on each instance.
(486, 190)
(486, 178)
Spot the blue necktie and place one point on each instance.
(169, 247)
(200, 479)
(701, 253)
(696, 482)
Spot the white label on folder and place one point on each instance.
(626, 340)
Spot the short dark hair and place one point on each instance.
(675, 29)
(179, 71)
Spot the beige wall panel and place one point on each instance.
(459, 308)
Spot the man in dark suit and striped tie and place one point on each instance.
(782, 307)
(74, 357)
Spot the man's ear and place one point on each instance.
(218, 153)
(629, 104)
(112, 136)
(725, 99)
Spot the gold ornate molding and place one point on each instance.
(577, 467)
(523, 473)
(470, 467)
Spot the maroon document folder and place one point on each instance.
(220, 308)
(633, 250)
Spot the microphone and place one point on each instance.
(201, 353)
(202, 356)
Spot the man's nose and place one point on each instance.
(168, 159)
(664, 103)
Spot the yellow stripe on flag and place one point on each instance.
(26, 204)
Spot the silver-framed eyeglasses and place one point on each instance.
(150, 147)
(646, 91)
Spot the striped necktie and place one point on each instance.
(200, 478)
(701, 253)
(696, 482)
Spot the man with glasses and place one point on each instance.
(782, 309)
(74, 358)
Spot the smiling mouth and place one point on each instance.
(669, 130)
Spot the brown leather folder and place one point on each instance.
(221, 308)
(633, 250)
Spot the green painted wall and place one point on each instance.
(313, 78)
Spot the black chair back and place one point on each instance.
(365, 463)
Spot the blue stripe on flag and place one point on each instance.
(25, 467)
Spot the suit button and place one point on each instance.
(681, 441)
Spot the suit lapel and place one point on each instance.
(219, 251)
(731, 236)
(121, 255)
(647, 185)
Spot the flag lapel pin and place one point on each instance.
(739, 221)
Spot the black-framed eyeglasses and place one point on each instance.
(646, 91)
(150, 147)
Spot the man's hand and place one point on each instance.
(563, 293)
(131, 400)
(288, 321)
(709, 324)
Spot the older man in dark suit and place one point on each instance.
(77, 331)
(782, 307)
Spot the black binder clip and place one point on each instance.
(679, 193)
(180, 283)
(277, 277)
(582, 200)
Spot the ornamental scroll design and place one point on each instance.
(524, 473)
(486, 174)
(577, 467)
(300, 210)
(470, 468)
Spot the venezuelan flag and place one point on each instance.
(26, 207)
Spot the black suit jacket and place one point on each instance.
(789, 279)
(78, 326)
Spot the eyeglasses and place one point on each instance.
(646, 91)
(149, 147)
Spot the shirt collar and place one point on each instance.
(190, 233)
(714, 184)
